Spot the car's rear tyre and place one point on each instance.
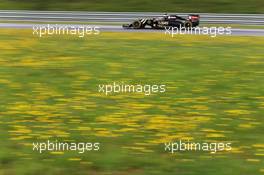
(137, 25)
(188, 24)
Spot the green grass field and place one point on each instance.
(49, 90)
(195, 6)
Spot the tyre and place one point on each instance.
(136, 24)
(188, 24)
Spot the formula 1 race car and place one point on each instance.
(165, 21)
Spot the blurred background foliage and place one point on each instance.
(197, 6)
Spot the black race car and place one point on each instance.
(165, 21)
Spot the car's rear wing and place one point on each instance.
(194, 18)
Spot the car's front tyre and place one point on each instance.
(136, 24)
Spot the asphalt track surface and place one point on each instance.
(86, 16)
(116, 28)
(13, 19)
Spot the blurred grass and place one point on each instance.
(192, 6)
(49, 91)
